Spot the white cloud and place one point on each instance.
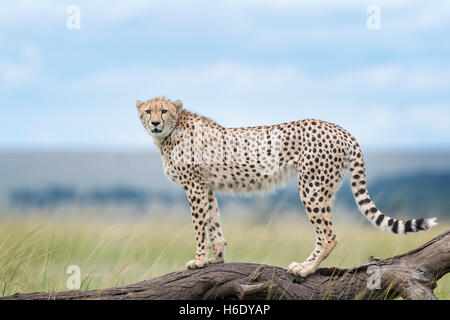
(435, 16)
(403, 13)
(31, 11)
(29, 52)
(260, 82)
(15, 74)
(23, 69)
(318, 5)
(243, 95)
(434, 118)
(271, 88)
(392, 78)
(223, 78)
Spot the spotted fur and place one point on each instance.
(201, 156)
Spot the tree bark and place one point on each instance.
(412, 275)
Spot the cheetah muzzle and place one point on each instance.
(201, 157)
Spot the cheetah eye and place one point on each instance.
(148, 111)
(163, 111)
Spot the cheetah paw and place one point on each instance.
(215, 260)
(196, 264)
(301, 269)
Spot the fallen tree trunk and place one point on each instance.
(412, 275)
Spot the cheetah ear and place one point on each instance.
(178, 104)
(139, 103)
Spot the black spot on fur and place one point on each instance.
(408, 227)
(364, 201)
(379, 219)
(419, 224)
(395, 227)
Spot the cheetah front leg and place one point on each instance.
(214, 230)
(199, 203)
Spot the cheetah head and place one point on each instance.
(159, 115)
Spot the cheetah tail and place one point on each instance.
(368, 208)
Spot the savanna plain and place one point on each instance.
(36, 249)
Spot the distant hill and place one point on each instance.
(406, 184)
(422, 194)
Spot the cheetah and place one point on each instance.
(203, 157)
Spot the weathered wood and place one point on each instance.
(412, 275)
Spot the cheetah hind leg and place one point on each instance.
(324, 245)
(319, 213)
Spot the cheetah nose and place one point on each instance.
(155, 123)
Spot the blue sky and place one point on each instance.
(240, 63)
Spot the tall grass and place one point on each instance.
(36, 250)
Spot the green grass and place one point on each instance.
(36, 250)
